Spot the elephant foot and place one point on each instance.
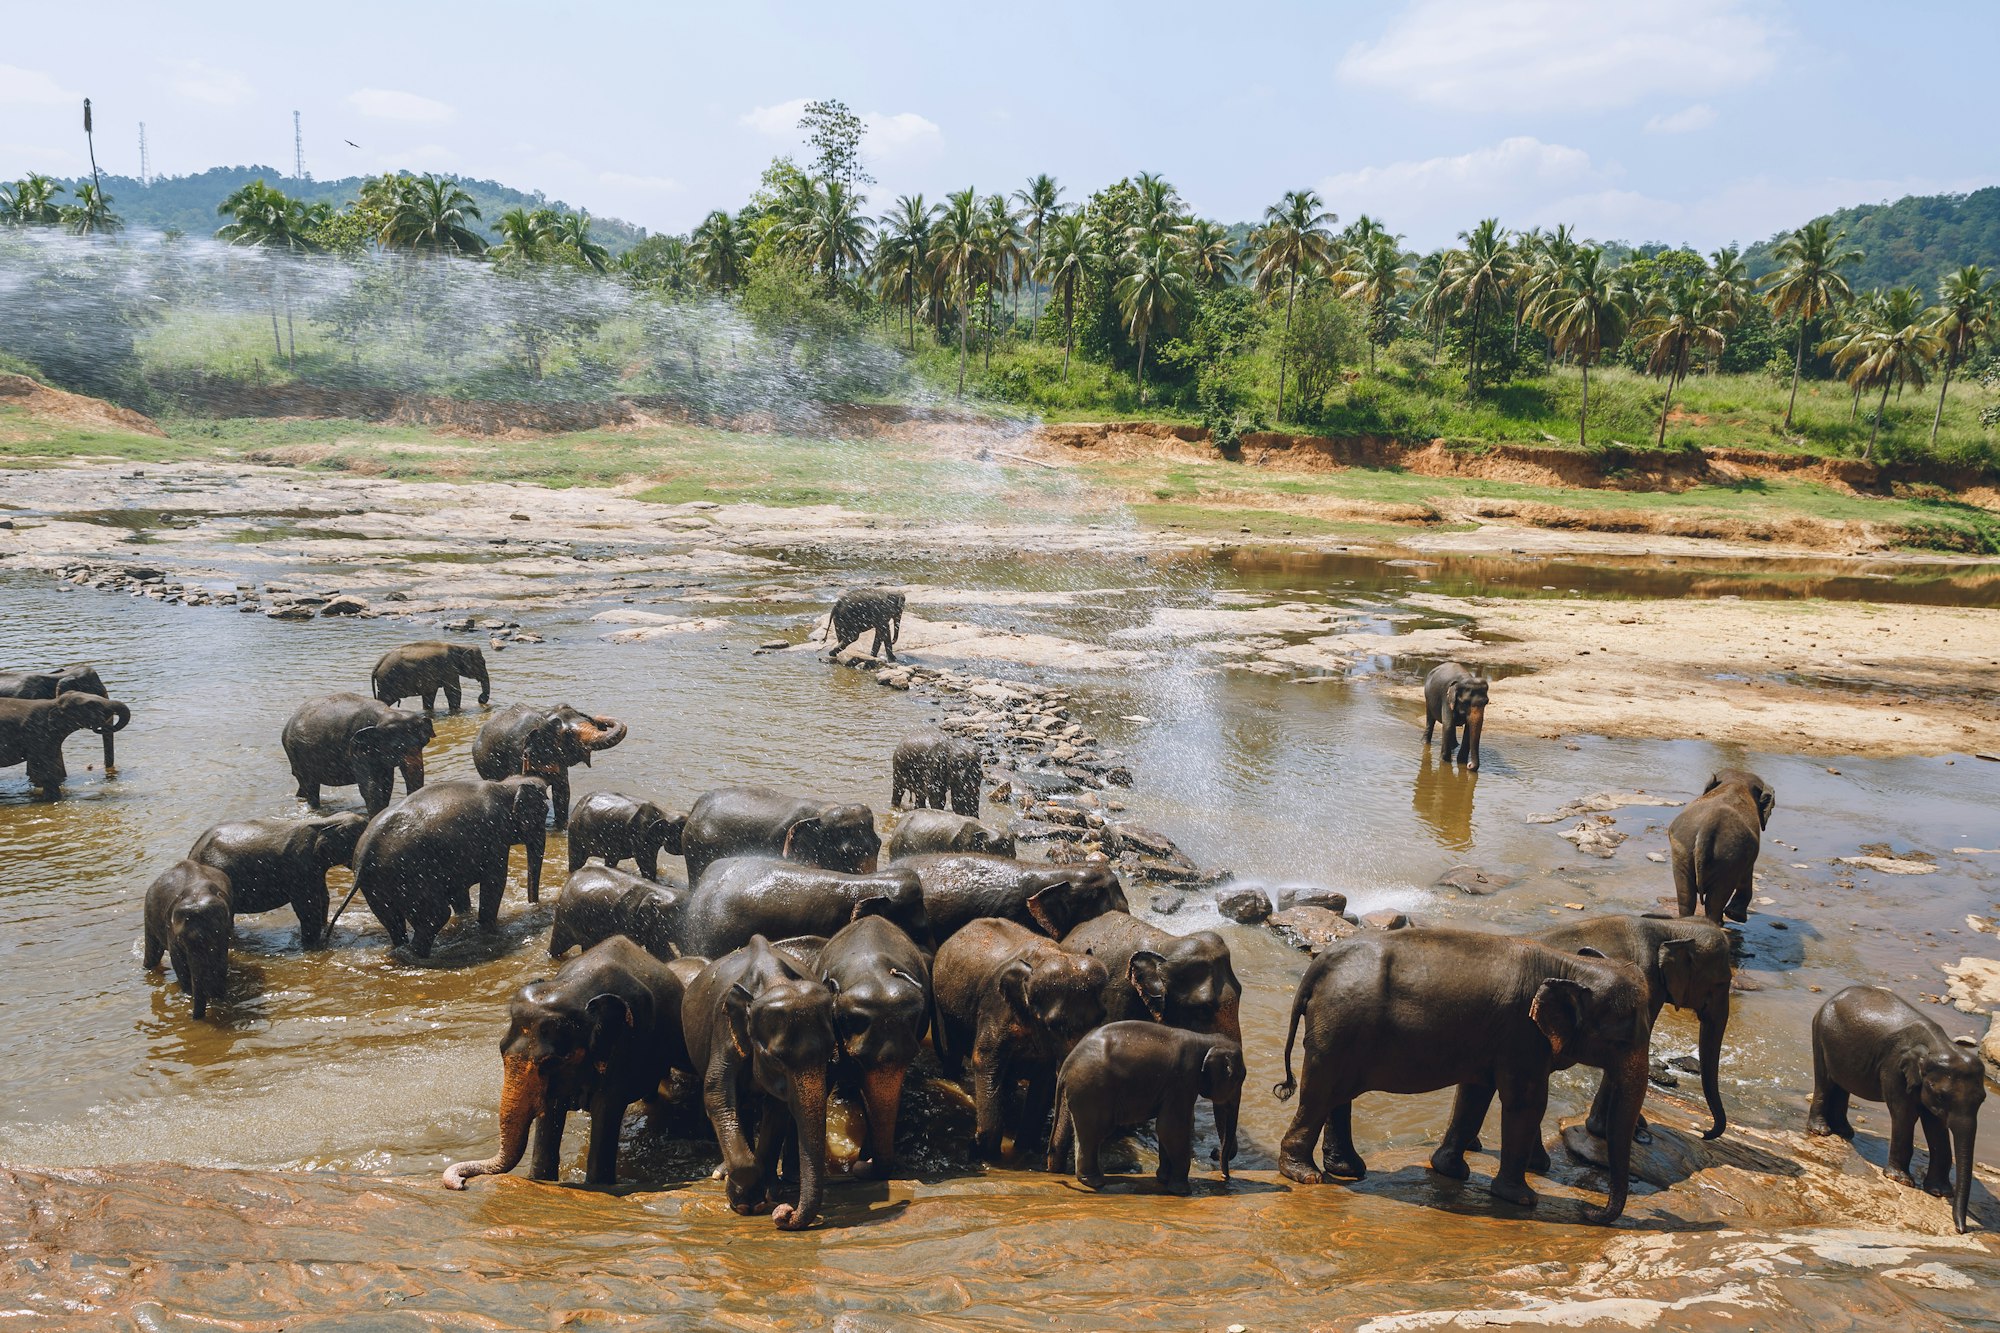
(1513, 1191)
(1538, 1160)
(1300, 1170)
(1737, 911)
(987, 1146)
(1938, 1186)
(1450, 1165)
(1347, 1168)
(1819, 1127)
(1092, 1182)
(1177, 1187)
(870, 1169)
(1474, 1145)
(1643, 1132)
(790, 1218)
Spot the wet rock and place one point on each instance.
(1687, 1064)
(1471, 880)
(1661, 1076)
(288, 611)
(1035, 830)
(1124, 836)
(1243, 904)
(1166, 872)
(1060, 814)
(1890, 865)
(463, 625)
(1312, 895)
(1166, 904)
(1385, 918)
(1600, 840)
(1310, 928)
(525, 636)
(894, 680)
(1989, 1049)
(1119, 777)
(397, 596)
(1598, 802)
(519, 518)
(1974, 985)
(345, 605)
(773, 645)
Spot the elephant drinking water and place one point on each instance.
(76, 678)
(544, 743)
(32, 732)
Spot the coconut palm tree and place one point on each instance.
(1431, 308)
(1891, 343)
(1150, 295)
(91, 214)
(526, 237)
(1585, 314)
(1040, 200)
(1005, 246)
(1680, 319)
(720, 247)
(1966, 312)
(268, 219)
(1156, 214)
(30, 202)
(1375, 275)
(1211, 255)
(1293, 245)
(569, 233)
(1807, 285)
(827, 231)
(958, 255)
(1729, 275)
(1067, 252)
(429, 213)
(903, 254)
(1478, 280)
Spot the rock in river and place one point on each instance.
(1310, 928)
(1244, 904)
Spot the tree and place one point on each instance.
(429, 213)
(570, 235)
(1966, 302)
(31, 202)
(1151, 293)
(1890, 344)
(526, 237)
(1375, 275)
(835, 134)
(1003, 243)
(1807, 284)
(1685, 316)
(903, 254)
(662, 263)
(1477, 279)
(1292, 245)
(720, 248)
(1040, 200)
(958, 253)
(1066, 257)
(824, 230)
(91, 214)
(1211, 255)
(1729, 276)
(269, 219)
(1585, 313)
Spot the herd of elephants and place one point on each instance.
(793, 959)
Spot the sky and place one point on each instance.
(1699, 121)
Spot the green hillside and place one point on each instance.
(188, 202)
(1916, 240)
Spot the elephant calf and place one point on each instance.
(543, 743)
(189, 919)
(418, 860)
(923, 831)
(961, 887)
(756, 821)
(1184, 981)
(32, 732)
(1869, 1042)
(599, 902)
(347, 738)
(604, 1032)
(623, 828)
(276, 862)
(76, 678)
(940, 771)
(860, 610)
(742, 896)
(881, 984)
(1714, 844)
(425, 668)
(1455, 696)
(1124, 1074)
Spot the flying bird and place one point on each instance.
(350, 143)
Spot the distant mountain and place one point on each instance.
(1916, 240)
(189, 202)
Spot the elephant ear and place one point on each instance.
(1557, 1010)
(1592, 951)
(1014, 986)
(1675, 961)
(736, 1009)
(1714, 781)
(1148, 974)
(1221, 1068)
(1047, 909)
(531, 804)
(1767, 801)
(873, 905)
(671, 828)
(363, 741)
(792, 833)
(609, 1018)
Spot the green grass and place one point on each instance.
(28, 442)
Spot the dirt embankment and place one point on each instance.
(71, 409)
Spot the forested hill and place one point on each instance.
(1916, 240)
(188, 202)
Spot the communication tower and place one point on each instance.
(145, 162)
(298, 150)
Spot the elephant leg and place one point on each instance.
(430, 701)
(376, 789)
(1827, 1113)
(310, 905)
(1937, 1144)
(846, 642)
(607, 1119)
(1600, 1114)
(1737, 906)
(1521, 1108)
(559, 799)
(895, 788)
(883, 648)
(183, 974)
(454, 699)
(155, 947)
(492, 889)
(47, 771)
(309, 792)
(423, 936)
(1089, 1131)
(773, 1126)
(1450, 740)
(461, 900)
(1902, 1140)
(578, 854)
(546, 1163)
(1686, 900)
(1468, 1113)
(648, 865)
(882, 1097)
(1430, 726)
(989, 1089)
(1033, 1127)
(1337, 1144)
(1176, 1138)
(1296, 1151)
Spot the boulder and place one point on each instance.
(1599, 840)
(1244, 904)
(1312, 895)
(347, 604)
(1166, 904)
(1470, 880)
(1385, 918)
(1310, 928)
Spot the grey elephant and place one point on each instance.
(741, 896)
(1124, 1074)
(922, 831)
(599, 902)
(756, 821)
(940, 771)
(544, 743)
(272, 863)
(1184, 981)
(348, 738)
(419, 859)
(614, 828)
(76, 678)
(425, 669)
(881, 984)
(860, 610)
(1456, 696)
(1714, 844)
(960, 887)
(189, 919)
(32, 732)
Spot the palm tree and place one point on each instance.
(570, 235)
(903, 254)
(958, 251)
(1004, 244)
(1807, 284)
(1431, 306)
(429, 213)
(1479, 279)
(827, 231)
(91, 213)
(1040, 200)
(1583, 315)
(1066, 256)
(1158, 209)
(1376, 275)
(1292, 245)
(1150, 295)
(721, 248)
(1966, 302)
(31, 202)
(1686, 316)
(1891, 343)
(1729, 275)
(268, 219)
(1521, 282)
(1211, 255)
(525, 237)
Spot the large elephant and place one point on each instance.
(923, 831)
(275, 862)
(1016, 1003)
(32, 732)
(960, 887)
(1870, 1042)
(189, 919)
(1124, 1074)
(1714, 844)
(881, 984)
(1184, 981)
(940, 771)
(599, 902)
(756, 821)
(860, 610)
(618, 828)
(544, 743)
(602, 1033)
(760, 1036)
(1417, 1010)
(1456, 697)
(76, 678)
(741, 896)
(425, 668)
(349, 738)
(420, 857)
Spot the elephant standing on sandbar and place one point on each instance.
(32, 732)
(542, 743)
(941, 771)
(861, 610)
(425, 669)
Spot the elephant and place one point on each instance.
(599, 902)
(274, 862)
(623, 828)
(1455, 696)
(1016, 1003)
(544, 743)
(760, 1035)
(424, 669)
(1415, 1010)
(1126, 1073)
(859, 610)
(602, 1033)
(32, 732)
(881, 984)
(756, 821)
(189, 919)
(940, 771)
(960, 887)
(1714, 844)
(741, 896)
(420, 857)
(941, 831)
(1184, 981)
(348, 738)
(1870, 1042)
(76, 678)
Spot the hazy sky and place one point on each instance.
(1697, 120)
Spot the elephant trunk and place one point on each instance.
(121, 717)
(522, 1092)
(1229, 1020)
(882, 1093)
(1714, 1020)
(413, 769)
(485, 683)
(1225, 1130)
(602, 733)
(536, 844)
(809, 1115)
(1627, 1101)
(1475, 723)
(1962, 1128)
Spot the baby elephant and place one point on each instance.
(1714, 844)
(923, 831)
(189, 919)
(1456, 697)
(860, 610)
(1124, 1074)
(599, 902)
(623, 828)
(940, 771)
(1869, 1042)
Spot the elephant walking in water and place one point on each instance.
(542, 743)
(863, 609)
(32, 732)
(426, 668)
(1714, 843)
(76, 678)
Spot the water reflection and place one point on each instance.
(1442, 799)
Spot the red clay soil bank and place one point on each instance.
(72, 408)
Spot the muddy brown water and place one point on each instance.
(357, 1073)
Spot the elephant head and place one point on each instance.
(471, 662)
(76, 711)
(1465, 704)
(1951, 1084)
(1084, 893)
(1221, 1081)
(1696, 977)
(839, 837)
(201, 925)
(880, 1019)
(566, 738)
(400, 740)
(1189, 983)
(654, 827)
(786, 1031)
(1058, 996)
(528, 813)
(1754, 790)
(1602, 1021)
(333, 838)
(80, 678)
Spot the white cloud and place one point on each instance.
(1433, 198)
(388, 104)
(1685, 121)
(779, 122)
(903, 134)
(205, 83)
(625, 180)
(1562, 55)
(32, 87)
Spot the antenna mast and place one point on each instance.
(298, 150)
(145, 162)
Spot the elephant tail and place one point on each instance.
(1283, 1091)
(826, 630)
(1061, 1136)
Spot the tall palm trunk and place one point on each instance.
(1937, 418)
(1798, 368)
(1035, 293)
(1284, 352)
(1583, 417)
(961, 346)
(1142, 370)
(1069, 327)
(1881, 406)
